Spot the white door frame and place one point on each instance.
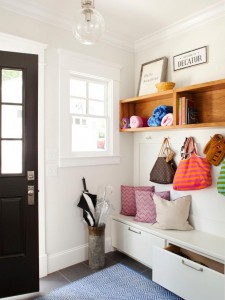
(16, 44)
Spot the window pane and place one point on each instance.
(11, 121)
(96, 91)
(77, 106)
(78, 88)
(12, 86)
(89, 134)
(11, 157)
(96, 108)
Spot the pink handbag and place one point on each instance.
(194, 171)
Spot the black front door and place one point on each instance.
(19, 263)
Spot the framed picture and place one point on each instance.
(190, 58)
(151, 73)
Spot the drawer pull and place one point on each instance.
(138, 232)
(197, 269)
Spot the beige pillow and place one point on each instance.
(172, 214)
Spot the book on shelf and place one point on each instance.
(179, 110)
(188, 114)
(183, 111)
(192, 115)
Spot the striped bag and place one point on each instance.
(221, 180)
(193, 172)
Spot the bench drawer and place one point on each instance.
(175, 270)
(135, 242)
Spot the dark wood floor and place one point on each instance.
(78, 271)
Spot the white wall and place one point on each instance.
(209, 34)
(66, 234)
(208, 207)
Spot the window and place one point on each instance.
(11, 121)
(89, 113)
(89, 118)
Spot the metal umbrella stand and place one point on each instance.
(96, 230)
(96, 247)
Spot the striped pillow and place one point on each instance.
(146, 211)
(128, 203)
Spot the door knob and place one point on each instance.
(30, 194)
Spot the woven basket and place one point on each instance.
(164, 86)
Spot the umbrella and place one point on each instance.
(103, 207)
(87, 203)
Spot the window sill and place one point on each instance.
(88, 161)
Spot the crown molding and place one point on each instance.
(38, 12)
(207, 15)
(35, 11)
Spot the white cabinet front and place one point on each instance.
(135, 242)
(187, 279)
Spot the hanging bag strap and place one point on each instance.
(188, 148)
(163, 148)
(166, 150)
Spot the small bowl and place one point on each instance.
(164, 86)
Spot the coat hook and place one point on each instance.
(148, 137)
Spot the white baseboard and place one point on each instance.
(64, 259)
(108, 245)
(43, 265)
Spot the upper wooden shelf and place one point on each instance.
(148, 97)
(203, 87)
(209, 99)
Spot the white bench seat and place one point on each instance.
(149, 245)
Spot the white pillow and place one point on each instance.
(172, 214)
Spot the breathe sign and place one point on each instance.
(190, 58)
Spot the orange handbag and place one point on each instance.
(194, 171)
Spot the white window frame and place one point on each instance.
(73, 63)
(107, 113)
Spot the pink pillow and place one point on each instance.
(128, 203)
(146, 210)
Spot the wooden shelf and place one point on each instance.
(149, 97)
(141, 129)
(209, 100)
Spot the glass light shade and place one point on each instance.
(89, 27)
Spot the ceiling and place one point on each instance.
(128, 20)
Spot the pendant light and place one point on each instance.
(89, 25)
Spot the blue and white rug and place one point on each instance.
(114, 283)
